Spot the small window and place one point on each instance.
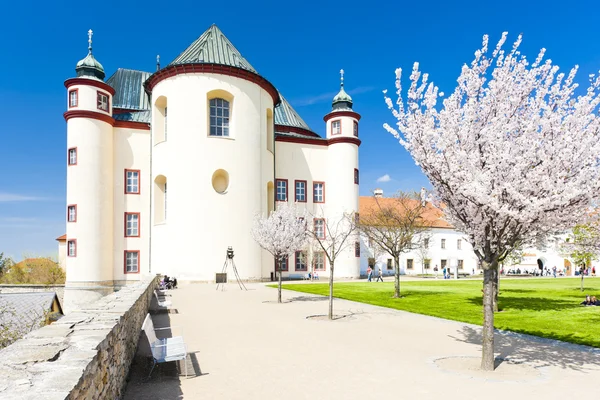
(132, 224)
(444, 263)
(72, 213)
(132, 181)
(301, 191)
(219, 117)
(300, 261)
(426, 243)
(319, 192)
(460, 264)
(72, 248)
(458, 244)
(443, 243)
(409, 263)
(319, 228)
(72, 156)
(283, 263)
(103, 102)
(390, 264)
(427, 263)
(132, 261)
(336, 127)
(356, 176)
(319, 261)
(356, 249)
(281, 185)
(355, 129)
(165, 123)
(73, 98)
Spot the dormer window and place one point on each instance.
(336, 127)
(219, 117)
(103, 102)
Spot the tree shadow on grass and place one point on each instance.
(528, 303)
(538, 351)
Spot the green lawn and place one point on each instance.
(542, 307)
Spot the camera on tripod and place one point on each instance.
(230, 252)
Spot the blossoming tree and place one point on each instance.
(333, 236)
(281, 234)
(512, 153)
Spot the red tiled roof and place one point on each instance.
(431, 214)
(62, 238)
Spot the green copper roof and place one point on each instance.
(342, 96)
(286, 115)
(89, 66)
(129, 89)
(213, 47)
(134, 116)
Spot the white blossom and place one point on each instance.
(512, 153)
(281, 233)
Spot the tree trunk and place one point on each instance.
(582, 281)
(496, 288)
(279, 291)
(330, 290)
(487, 341)
(397, 278)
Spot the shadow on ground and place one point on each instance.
(165, 382)
(528, 303)
(537, 351)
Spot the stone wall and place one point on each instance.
(84, 355)
(59, 289)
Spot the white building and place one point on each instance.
(450, 248)
(165, 170)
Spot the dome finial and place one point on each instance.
(90, 33)
(342, 79)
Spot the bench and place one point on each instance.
(165, 349)
(161, 301)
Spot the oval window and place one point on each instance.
(220, 180)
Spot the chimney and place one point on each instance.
(378, 192)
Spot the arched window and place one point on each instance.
(219, 117)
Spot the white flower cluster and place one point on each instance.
(512, 154)
(281, 233)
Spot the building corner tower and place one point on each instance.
(343, 174)
(89, 209)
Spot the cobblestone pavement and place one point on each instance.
(244, 345)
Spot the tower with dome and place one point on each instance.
(165, 170)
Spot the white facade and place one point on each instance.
(151, 188)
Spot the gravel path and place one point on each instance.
(244, 345)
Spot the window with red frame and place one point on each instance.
(319, 228)
(132, 181)
(283, 264)
(356, 176)
(300, 261)
(355, 128)
(72, 156)
(72, 248)
(73, 98)
(319, 261)
(132, 261)
(103, 102)
(281, 190)
(72, 213)
(336, 127)
(300, 191)
(318, 192)
(132, 224)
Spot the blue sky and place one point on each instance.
(298, 46)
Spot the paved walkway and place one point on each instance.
(244, 345)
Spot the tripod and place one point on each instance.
(229, 260)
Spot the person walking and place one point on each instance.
(380, 275)
(369, 273)
(444, 272)
(554, 271)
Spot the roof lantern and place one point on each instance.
(89, 66)
(342, 100)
